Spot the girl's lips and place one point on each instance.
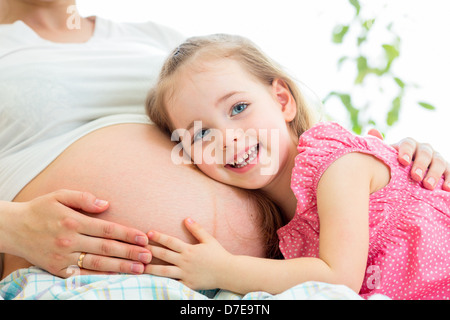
(244, 156)
(247, 161)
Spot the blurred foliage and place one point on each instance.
(359, 56)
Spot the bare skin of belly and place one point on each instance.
(130, 166)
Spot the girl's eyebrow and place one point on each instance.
(190, 126)
(227, 96)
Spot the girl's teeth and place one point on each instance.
(246, 159)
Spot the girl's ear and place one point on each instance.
(285, 99)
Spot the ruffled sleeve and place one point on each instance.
(318, 148)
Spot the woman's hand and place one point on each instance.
(49, 234)
(428, 165)
(198, 266)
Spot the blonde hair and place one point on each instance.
(270, 220)
(222, 46)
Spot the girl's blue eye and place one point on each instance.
(200, 135)
(238, 108)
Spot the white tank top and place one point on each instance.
(52, 94)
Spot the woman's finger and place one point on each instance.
(112, 248)
(97, 263)
(375, 133)
(406, 150)
(437, 168)
(110, 230)
(447, 179)
(96, 227)
(423, 159)
(81, 200)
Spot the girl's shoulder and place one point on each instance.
(325, 133)
(327, 138)
(326, 142)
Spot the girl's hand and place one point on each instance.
(198, 266)
(49, 234)
(428, 165)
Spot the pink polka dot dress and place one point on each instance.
(409, 226)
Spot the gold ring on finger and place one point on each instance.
(80, 260)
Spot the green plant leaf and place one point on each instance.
(379, 72)
(427, 106)
(391, 52)
(341, 61)
(393, 114)
(355, 3)
(339, 33)
(363, 69)
(368, 24)
(353, 112)
(361, 40)
(357, 128)
(361, 59)
(400, 82)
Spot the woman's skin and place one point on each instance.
(129, 165)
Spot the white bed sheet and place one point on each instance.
(36, 284)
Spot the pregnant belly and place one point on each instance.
(130, 165)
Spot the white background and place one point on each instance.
(297, 33)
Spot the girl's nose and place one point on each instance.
(232, 137)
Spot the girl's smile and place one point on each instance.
(245, 161)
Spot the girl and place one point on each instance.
(239, 118)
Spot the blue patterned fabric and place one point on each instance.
(36, 284)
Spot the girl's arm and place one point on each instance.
(208, 265)
(342, 198)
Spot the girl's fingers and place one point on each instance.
(167, 271)
(164, 254)
(172, 243)
(197, 231)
